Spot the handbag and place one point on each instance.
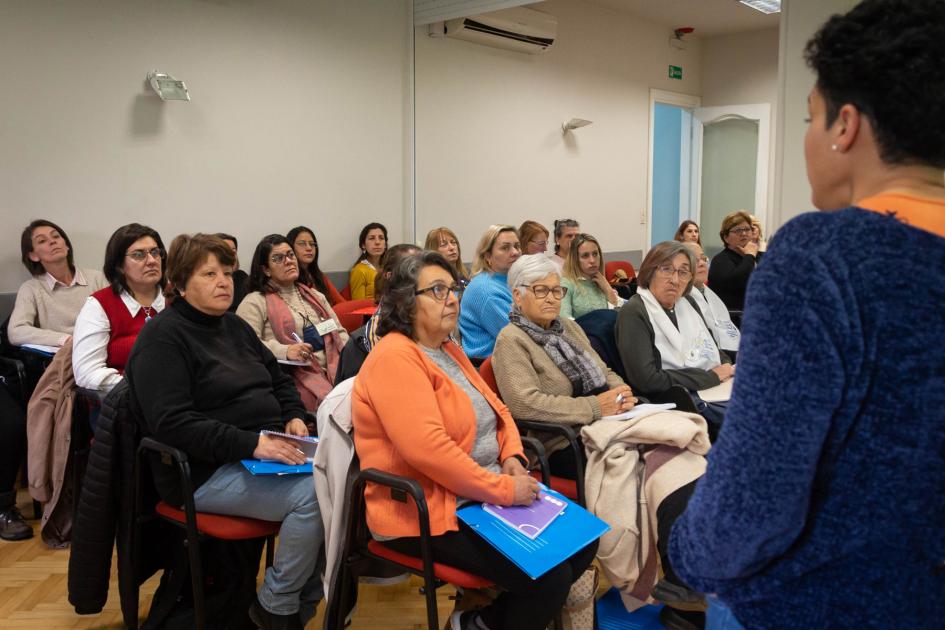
(578, 610)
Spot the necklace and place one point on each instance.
(148, 313)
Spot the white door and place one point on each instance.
(730, 166)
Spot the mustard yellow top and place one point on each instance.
(361, 281)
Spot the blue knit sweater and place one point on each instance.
(483, 312)
(824, 500)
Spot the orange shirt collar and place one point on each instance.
(924, 213)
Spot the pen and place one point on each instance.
(619, 399)
(296, 337)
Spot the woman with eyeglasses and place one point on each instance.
(294, 321)
(110, 320)
(534, 237)
(487, 299)
(661, 336)
(305, 246)
(588, 289)
(731, 267)
(455, 437)
(544, 364)
(710, 305)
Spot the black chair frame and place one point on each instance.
(574, 445)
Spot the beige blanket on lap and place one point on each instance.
(625, 489)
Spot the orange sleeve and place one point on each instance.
(402, 396)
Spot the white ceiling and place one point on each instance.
(708, 17)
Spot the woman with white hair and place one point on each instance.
(544, 364)
(711, 305)
(487, 299)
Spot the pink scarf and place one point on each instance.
(313, 382)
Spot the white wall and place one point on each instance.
(489, 147)
(742, 69)
(298, 116)
(799, 21)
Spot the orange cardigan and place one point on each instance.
(411, 419)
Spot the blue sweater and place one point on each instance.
(483, 312)
(824, 500)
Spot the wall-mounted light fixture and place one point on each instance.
(167, 87)
(574, 123)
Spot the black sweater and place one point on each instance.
(206, 385)
(728, 277)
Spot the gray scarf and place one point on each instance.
(580, 368)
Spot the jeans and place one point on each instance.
(292, 584)
(720, 617)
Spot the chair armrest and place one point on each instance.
(532, 444)
(574, 444)
(20, 369)
(171, 456)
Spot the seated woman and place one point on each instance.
(661, 337)
(295, 322)
(757, 234)
(588, 289)
(688, 232)
(48, 303)
(110, 320)
(710, 305)
(373, 244)
(305, 246)
(544, 364)
(443, 240)
(202, 382)
(487, 300)
(240, 277)
(565, 231)
(731, 267)
(534, 237)
(455, 437)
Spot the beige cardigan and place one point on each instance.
(675, 444)
(534, 388)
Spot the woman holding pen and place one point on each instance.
(294, 321)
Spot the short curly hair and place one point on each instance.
(398, 307)
(886, 58)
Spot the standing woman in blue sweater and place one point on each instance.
(824, 500)
(487, 300)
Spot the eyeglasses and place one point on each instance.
(442, 291)
(740, 231)
(541, 291)
(539, 243)
(312, 244)
(139, 255)
(279, 259)
(667, 271)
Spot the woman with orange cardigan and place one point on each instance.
(455, 437)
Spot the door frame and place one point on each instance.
(686, 101)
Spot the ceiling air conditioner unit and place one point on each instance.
(520, 29)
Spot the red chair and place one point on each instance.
(346, 292)
(613, 265)
(351, 321)
(196, 525)
(571, 488)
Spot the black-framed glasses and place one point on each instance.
(278, 259)
(140, 255)
(741, 231)
(442, 291)
(541, 291)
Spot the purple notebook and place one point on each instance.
(530, 520)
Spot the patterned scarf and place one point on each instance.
(576, 363)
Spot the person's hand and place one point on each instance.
(513, 466)
(750, 249)
(724, 371)
(526, 490)
(299, 352)
(608, 401)
(296, 426)
(278, 449)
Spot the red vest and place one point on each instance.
(124, 327)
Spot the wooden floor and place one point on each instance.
(33, 593)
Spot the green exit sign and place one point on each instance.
(675, 72)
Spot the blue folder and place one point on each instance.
(573, 530)
(259, 467)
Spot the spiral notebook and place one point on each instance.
(307, 444)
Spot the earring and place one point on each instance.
(833, 147)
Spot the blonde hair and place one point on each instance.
(433, 244)
(755, 222)
(572, 265)
(486, 243)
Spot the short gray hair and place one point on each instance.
(531, 268)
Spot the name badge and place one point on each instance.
(325, 327)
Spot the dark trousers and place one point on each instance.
(666, 514)
(12, 446)
(524, 603)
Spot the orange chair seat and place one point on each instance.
(443, 572)
(221, 525)
(567, 487)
